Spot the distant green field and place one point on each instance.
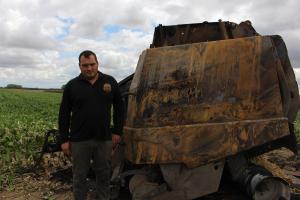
(297, 126)
(24, 117)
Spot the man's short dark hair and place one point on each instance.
(87, 54)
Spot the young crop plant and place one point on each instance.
(25, 115)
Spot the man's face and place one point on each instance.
(88, 67)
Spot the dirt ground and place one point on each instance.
(53, 180)
(39, 183)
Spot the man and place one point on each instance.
(84, 124)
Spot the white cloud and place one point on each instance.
(40, 40)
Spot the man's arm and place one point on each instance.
(118, 116)
(64, 121)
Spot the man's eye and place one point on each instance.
(87, 65)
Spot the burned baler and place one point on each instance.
(205, 95)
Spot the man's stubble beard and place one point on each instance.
(90, 77)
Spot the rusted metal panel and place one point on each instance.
(201, 102)
(207, 82)
(200, 32)
(199, 144)
(244, 29)
(195, 182)
(287, 81)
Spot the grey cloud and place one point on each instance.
(87, 28)
(292, 41)
(16, 60)
(28, 41)
(25, 47)
(26, 38)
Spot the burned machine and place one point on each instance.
(204, 98)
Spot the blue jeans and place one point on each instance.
(99, 152)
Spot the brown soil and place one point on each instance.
(52, 181)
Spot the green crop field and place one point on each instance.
(297, 126)
(24, 117)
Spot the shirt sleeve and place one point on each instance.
(64, 116)
(118, 111)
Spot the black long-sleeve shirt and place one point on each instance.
(85, 110)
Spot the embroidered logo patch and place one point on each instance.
(107, 87)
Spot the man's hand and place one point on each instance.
(65, 147)
(116, 139)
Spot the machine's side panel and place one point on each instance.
(201, 102)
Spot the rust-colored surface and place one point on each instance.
(200, 32)
(287, 81)
(198, 144)
(200, 102)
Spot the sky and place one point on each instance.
(41, 39)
